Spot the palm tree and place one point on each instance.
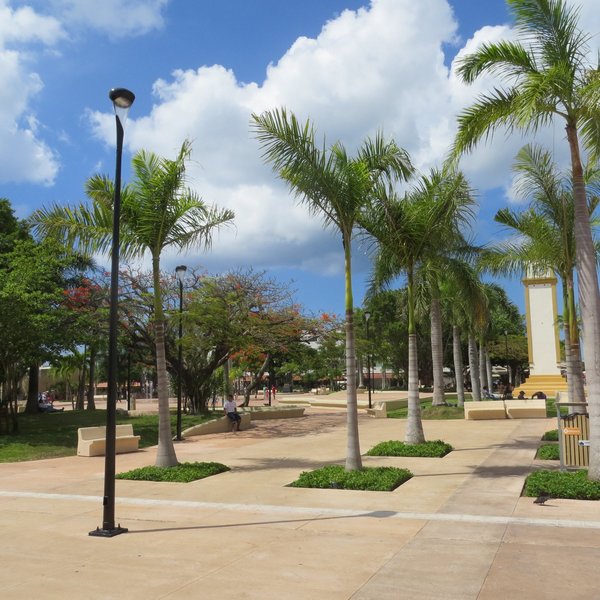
(548, 75)
(336, 187)
(465, 307)
(157, 211)
(545, 241)
(412, 233)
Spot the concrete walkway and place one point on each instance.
(458, 530)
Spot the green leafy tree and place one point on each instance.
(547, 75)
(157, 211)
(336, 187)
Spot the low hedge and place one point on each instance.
(433, 449)
(548, 452)
(376, 479)
(572, 485)
(182, 473)
(551, 436)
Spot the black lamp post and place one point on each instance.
(367, 317)
(180, 272)
(122, 99)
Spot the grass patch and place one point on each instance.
(182, 473)
(551, 436)
(429, 412)
(375, 479)
(434, 449)
(548, 452)
(573, 485)
(51, 435)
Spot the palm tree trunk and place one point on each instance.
(474, 368)
(458, 365)
(488, 370)
(572, 347)
(589, 299)
(91, 404)
(361, 375)
(353, 458)
(482, 369)
(80, 405)
(437, 351)
(414, 425)
(165, 455)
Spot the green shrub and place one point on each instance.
(548, 452)
(182, 473)
(429, 412)
(551, 436)
(435, 449)
(573, 485)
(378, 479)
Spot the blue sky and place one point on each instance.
(200, 68)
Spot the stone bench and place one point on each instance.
(485, 409)
(379, 410)
(220, 425)
(91, 441)
(526, 409)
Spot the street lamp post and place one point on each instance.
(122, 100)
(180, 272)
(367, 317)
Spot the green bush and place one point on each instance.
(551, 436)
(548, 452)
(377, 479)
(429, 412)
(435, 449)
(182, 473)
(572, 485)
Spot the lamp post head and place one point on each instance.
(367, 315)
(180, 273)
(122, 100)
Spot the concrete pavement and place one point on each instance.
(458, 530)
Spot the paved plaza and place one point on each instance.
(458, 530)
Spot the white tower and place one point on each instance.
(542, 335)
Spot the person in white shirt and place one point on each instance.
(230, 408)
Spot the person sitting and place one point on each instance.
(230, 408)
(488, 395)
(521, 395)
(539, 395)
(45, 406)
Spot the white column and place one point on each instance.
(542, 324)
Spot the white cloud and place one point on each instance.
(115, 18)
(23, 154)
(24, 25)
(379, 67)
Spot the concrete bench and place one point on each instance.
(486, 409)
(221, 425)
(526, 409)
(379, 410)
(91, 441)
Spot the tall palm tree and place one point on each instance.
(545, 240)
(548, 74)
(336, 187)
(465, 307)
(412, 232)
(157, 211)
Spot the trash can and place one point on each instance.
(575, 432)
